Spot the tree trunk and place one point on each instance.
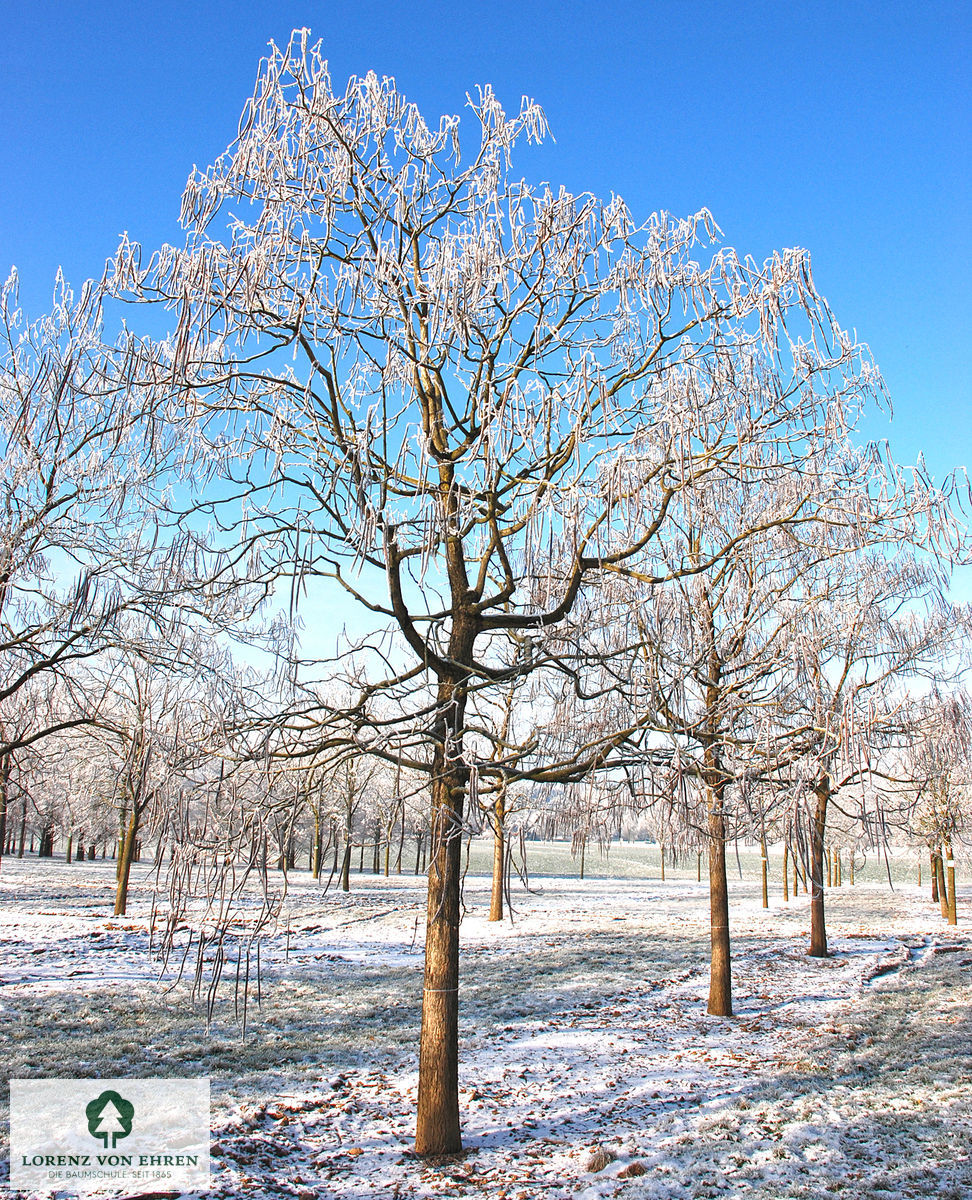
(437, 1127)
(830, 857)
(318, 848)
(720, 973)
(765, 871)
(942, 885)
(4, 793)
(786, 882)
(950, 883)
(818, 830)
(663, 862)
(126, 856)
(345, 877)
(45, 848)
(122, 834)
(933, 860)
(68, 857)
(499, 858)
(401, 841)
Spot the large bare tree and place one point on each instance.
(456, 402)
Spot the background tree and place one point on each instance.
(82, 438)
(880, 621)
(938, 761)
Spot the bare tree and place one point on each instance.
(938, 761)
(458, 402)
(82, 439)
(880, 621)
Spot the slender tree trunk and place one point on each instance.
(418, 853)
(830, 857)
(786, 883)
(950, 883)
(318, 848)
(818, 830)
(401, 840)
(663, 862)
(765, 871)
(345, 877)
(933, 857)
(720, 974)
(583, 851)
(4, 793)
(853, 855)
(437, 1127)
(698, 866)
(126, 856)
(123, 822)
(23, 827)
(70, 846)
(499, 857)
(942, 885)
(919, 872)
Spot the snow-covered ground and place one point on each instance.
(589, 1067)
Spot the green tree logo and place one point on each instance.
(110, 1116)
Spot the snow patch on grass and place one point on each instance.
(585, 1039)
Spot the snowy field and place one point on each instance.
(589, 1067)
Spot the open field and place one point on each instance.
(583, 1029)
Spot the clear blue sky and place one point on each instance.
(839, 126)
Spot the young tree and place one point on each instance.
(938, 762)
(880, 620)
(459, 402)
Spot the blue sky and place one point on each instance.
(842, 127)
